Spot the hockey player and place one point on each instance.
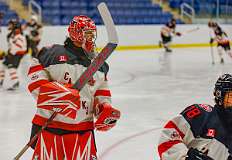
(1, 17)
(167, 32)
(2, 55)
(201, 132)
(2, 70)
(33, 31)
(17, 46)
(220, 36)
(70, 135)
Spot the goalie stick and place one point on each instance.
(89, 72)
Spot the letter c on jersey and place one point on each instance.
(67, 78)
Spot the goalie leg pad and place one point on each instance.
(68, 146)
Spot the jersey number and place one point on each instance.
(192, 112)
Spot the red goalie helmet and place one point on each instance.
(82, 29)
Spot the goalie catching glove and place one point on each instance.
(107, 117)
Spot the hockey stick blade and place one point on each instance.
(94, 66)
(109, 23)
(106, 51)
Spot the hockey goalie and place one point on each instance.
(71, 133)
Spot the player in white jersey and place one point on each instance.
(2, 69)
(33, 31)
(53, 72)
(1, 17)
(200, 131)
(221, 38)
(167, 32)
(17, 47)
(2, 55)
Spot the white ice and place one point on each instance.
(149, 87)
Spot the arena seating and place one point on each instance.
(60, 12)
(205, 6)
(8, 14)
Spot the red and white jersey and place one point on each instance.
(65, 64)
(198, 126)
(17, 44)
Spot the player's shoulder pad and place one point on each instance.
(197, 115)
(48, 55)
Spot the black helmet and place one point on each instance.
(223, 85)
(14, 25)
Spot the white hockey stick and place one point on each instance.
(190, 31)
(89, 72)
(160, 44)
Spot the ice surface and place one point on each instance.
(149, 87)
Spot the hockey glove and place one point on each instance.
(60, 98)
(178, 33)
(107, 117)
(211, 40)
(194, 154)
(2, 55)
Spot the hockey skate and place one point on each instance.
(160, 44)
(168, 50)
(222, 61)
(1, 83)
(14, 87)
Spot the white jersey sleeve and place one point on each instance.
(211, 33)
(174, 137)
(103, 93)
(37, 77)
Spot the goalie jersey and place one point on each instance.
(65, 64)
(199, 126)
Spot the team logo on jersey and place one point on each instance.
(62, 58)
(211, 132)
(175, 136)
(34, 77)
(206, 107)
